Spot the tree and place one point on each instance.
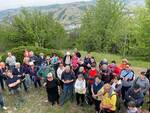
(102, 26)
(36, 28)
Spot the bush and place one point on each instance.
(18, 52)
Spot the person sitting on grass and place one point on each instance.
(80, 89)
(52, 89)
(109, 99)
(2, 101)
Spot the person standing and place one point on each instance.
(77, 53)
(127, 78)
(18, 71)
(2, 101)
(96, 86)
(143, 82)
(10, 60)
(13, 83)
(68, 78)
(52, 89)
(80, 89)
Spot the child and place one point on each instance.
(80, 89)
(2, 101)
(132, 108)
(52, 88)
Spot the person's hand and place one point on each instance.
(44, 84)
(19, 75)
(66, 81)
(88, 65)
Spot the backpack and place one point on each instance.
(118, 102)
(88, 99)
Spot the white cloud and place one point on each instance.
(7, 4)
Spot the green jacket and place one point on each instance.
(44, 71)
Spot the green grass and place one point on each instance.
(35, 103)
(117, 58)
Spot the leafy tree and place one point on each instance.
(36, 28)
(103, 25)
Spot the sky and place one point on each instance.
(9, 4)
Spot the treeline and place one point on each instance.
(107, 27)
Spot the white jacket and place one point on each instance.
(80, 86)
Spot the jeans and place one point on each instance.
(1, 100)
(24, 85)
(27, 80)
(66, 94)
(18, 99)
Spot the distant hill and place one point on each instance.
(66, 14)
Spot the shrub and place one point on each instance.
(18, 52)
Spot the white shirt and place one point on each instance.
(80, 86)
(11, 61)
(59, 72)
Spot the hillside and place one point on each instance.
(66, 14)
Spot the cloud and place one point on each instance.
(8, 4)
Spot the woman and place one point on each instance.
(97, 85)
(127, 78)
(80, 89)
(60, 70)
(109, 99)
(74, 63)
(52, 89)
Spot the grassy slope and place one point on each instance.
(35, 99)
(110, 57)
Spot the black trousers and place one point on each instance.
(97, 105)
(105, 111)
(123, 91)
(80, 96)
(36, 83)
(2, 83)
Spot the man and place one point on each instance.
(77, 53)
(10, 60)
(13, 83)
(142, 81)
(134, 94)
(33, 58)
(41, 59)
(67, 58)
(127, 78)
(33, 74)
(68, 78)
(18, 71)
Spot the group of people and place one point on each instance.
(105, 84)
